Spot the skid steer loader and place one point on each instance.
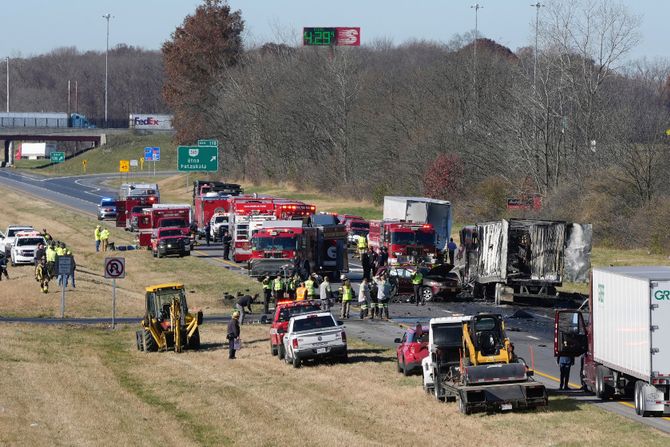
(167, 323)
(472, 362)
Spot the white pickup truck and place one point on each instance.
(24, 247)
(314, 336)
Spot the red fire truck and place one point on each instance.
(286, 209)
(130, 208)
(286, 247)
(206, 206)
(405, 242)
(247, 216)
(163, 216)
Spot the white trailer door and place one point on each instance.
(660, 323)
(417, 212)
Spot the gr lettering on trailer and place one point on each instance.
(662, 295)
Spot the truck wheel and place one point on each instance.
(397, 364)
(405, 371)
(280, 352)
(603, 391)
(345, 358)
(273, 349)
(194, 341)
(286, 359)
(296, 362)
(160, 255)
(149, 342)
(638, 398)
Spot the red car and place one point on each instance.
(283, 313)
(412, 348)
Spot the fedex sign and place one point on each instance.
(150, 122)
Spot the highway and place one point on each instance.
(529, 328)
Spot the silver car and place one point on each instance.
(107, 208)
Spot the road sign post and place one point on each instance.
(115, 268)
(64, 268)
(198, 158)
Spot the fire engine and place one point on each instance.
(286, 247)
(162, 216)
(405, 242)
(247, 216)
(129, 209)
(210, 198)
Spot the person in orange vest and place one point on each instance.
(301, 292)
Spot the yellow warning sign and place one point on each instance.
(124, 165)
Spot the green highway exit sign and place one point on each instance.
(57, 157)
(198, 158)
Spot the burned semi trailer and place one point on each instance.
(524, 258)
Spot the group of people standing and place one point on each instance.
(101, 238)
(46, 260)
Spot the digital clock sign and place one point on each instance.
(337, 36)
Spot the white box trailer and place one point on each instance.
(625, 338)
(422, 210)
(631, 320)
(34, 151)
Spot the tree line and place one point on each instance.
(135, 80)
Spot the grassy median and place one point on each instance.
(89, 386)
(206, 281)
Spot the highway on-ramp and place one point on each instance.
(531, 329)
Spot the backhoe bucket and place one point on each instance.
(495, 373)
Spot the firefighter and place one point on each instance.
(227, 240)
(383, 296)
(267, 294)
(43, 275)
(292, 285)
(277, 288)
(364, 297)
(104, 238)
(309, 285)
(362, 246)
(417, 281)
(96, 233)
(51, 259)
(347, 296)
(40, 253)
(47, 236)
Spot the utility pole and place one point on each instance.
(106, 16)
(537, 7)
(7, 59)
(476, 7)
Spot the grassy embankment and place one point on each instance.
(85, 386)
(21, 295)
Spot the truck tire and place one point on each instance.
(194, 341)
(345, 357)
(296, 362)
(405, 371)
(273, 350)
(148, 342)
(603, 391)
(638, 398)
(280, 352)
(397, 364)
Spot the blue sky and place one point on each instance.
(32, 27)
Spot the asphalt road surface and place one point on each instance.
(529, 328)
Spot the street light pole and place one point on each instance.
(7, 59)
(106, 16)
(537, 7)
(476, 7)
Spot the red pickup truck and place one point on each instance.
(283, 313)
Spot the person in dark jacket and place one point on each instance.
(233, 334)
(208, 230)
(227, 241)
(243, 305)
(366, 263)
(564, 364)
(3, 266)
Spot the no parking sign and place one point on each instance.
(115, 268)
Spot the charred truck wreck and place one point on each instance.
(524, 259)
